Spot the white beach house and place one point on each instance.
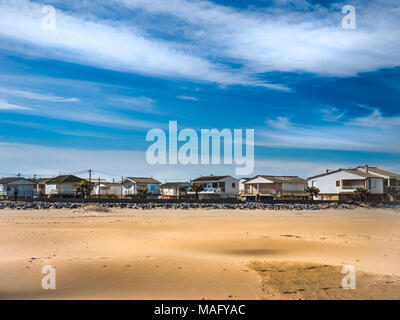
(132, 186)
(391, 180)
(267, 187)
(107, 189)
(217, 187)
(23, 187)
(174, 190)
(342, 184)
(64, 185)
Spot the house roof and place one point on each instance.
(281, 179)
(144, 180)
(352, 171)
(65, 179)
(382, 172)
(43, 181)
(8, 180)
(173, 184)
(211, 178)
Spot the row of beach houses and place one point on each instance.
(340, 184)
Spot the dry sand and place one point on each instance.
(200, 254)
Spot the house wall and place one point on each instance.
(62, 188)
(153, 188)
(230, 191)
(293, 187)
(327, 184)
(129, 188)
(169, 191)
(25, 188)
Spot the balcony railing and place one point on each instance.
(353, 187)
(260, 191)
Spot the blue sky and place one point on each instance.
(85, 94)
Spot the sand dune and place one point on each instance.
(199, 254)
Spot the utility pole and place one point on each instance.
(99, 188)
(90, 181)
(122, 180)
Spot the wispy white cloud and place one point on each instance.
(140, 104)
(331, 114)
(201, 34)
(35, 95)
(188, 98)
(302, 37)
(377, 120)
(279, 123)
(359, 134)
(4, 105)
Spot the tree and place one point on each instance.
(84, 188)
(361, 193)
(197, 187)
(312, 191)
(143, 191)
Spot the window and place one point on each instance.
(152, 188)
(337, 183)
(233, 185)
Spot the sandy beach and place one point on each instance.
(200, 254)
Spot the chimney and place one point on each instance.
(366, 168)
(327, 170)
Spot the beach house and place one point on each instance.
(62, 186)
(391, 181)
(268, 187)
(216, 187)
(342, 184)
(140, 187)
(107, 189)
(174, 190)
(11, 186)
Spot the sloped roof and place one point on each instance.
(380, 171)
(211, 178)
(8, 180)
(281, 179)
(173, 184)
(144, 180)
(65, 179)
(352, 171)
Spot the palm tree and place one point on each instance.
(361, 193)
(84, 188)
(143, 191)
(312, 191)
(197, 187)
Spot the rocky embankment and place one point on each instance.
(22, 205)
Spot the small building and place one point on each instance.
(266, 187)
(17, 186)
(63, 186)
(242, 188)
(132, 186)
(174, 190)
(217, 187)
(391, 181)
(107, 189)
(41, 186)
(342, 184)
